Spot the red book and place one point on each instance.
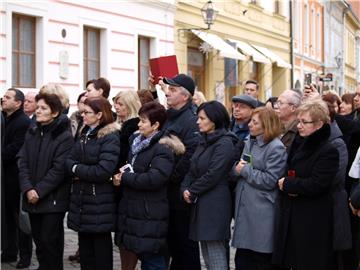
(164, 66)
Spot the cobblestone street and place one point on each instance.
(71, 246)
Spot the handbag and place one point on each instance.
(355, 167)
(24, 220)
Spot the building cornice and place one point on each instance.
(229, 19)
(309, 59)
(165, 5)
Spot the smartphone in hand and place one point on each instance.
(308, 79)
(127, 168)
(247, 158)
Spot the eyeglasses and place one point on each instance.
(302, 122)
(279, 103)
(86, 112)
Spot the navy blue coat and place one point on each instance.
(207, 180)
(144, 209)
(92, 199)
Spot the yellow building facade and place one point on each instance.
(351, 35)
(258, 34)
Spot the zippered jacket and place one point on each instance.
(41, 166)
(92, 199)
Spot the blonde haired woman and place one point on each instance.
(198, 98)
(127, 105)
(57, 89)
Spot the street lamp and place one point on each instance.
(209, 14)
(338, 59)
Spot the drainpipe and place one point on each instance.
(342, 68)
(291, 45)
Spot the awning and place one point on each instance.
(248, 50)
(225, 50)
(273, 57)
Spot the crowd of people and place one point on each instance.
(277, 181)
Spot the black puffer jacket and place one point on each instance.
(92, 200)
(143, 210)
(41, 166)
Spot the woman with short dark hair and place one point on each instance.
(43, 181)
(205, 187)
(127, 105)
(347, 104)
(143, 209)
(335, 102)
(91, 163)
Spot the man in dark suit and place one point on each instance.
(16, 125)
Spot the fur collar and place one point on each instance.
(170, 141)
(108, 129)
(174, 143)
(101, 131)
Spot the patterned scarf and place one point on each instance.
(140, 142)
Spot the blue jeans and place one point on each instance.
(152, 262)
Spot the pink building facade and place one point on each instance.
(70, 42)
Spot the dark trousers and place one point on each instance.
(153, 262)
(96, 251)
(246, 259)
(48, 232)
(16, 242)
(184, 252)
(351, 257)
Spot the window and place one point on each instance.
(23, 51)
(313, 31)
(253, 71)
(196, 67)
(277, 7)
(91, 54)
(350, 53)
(143, 62)
(318, 36)
(306, 27)
(296, 12)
